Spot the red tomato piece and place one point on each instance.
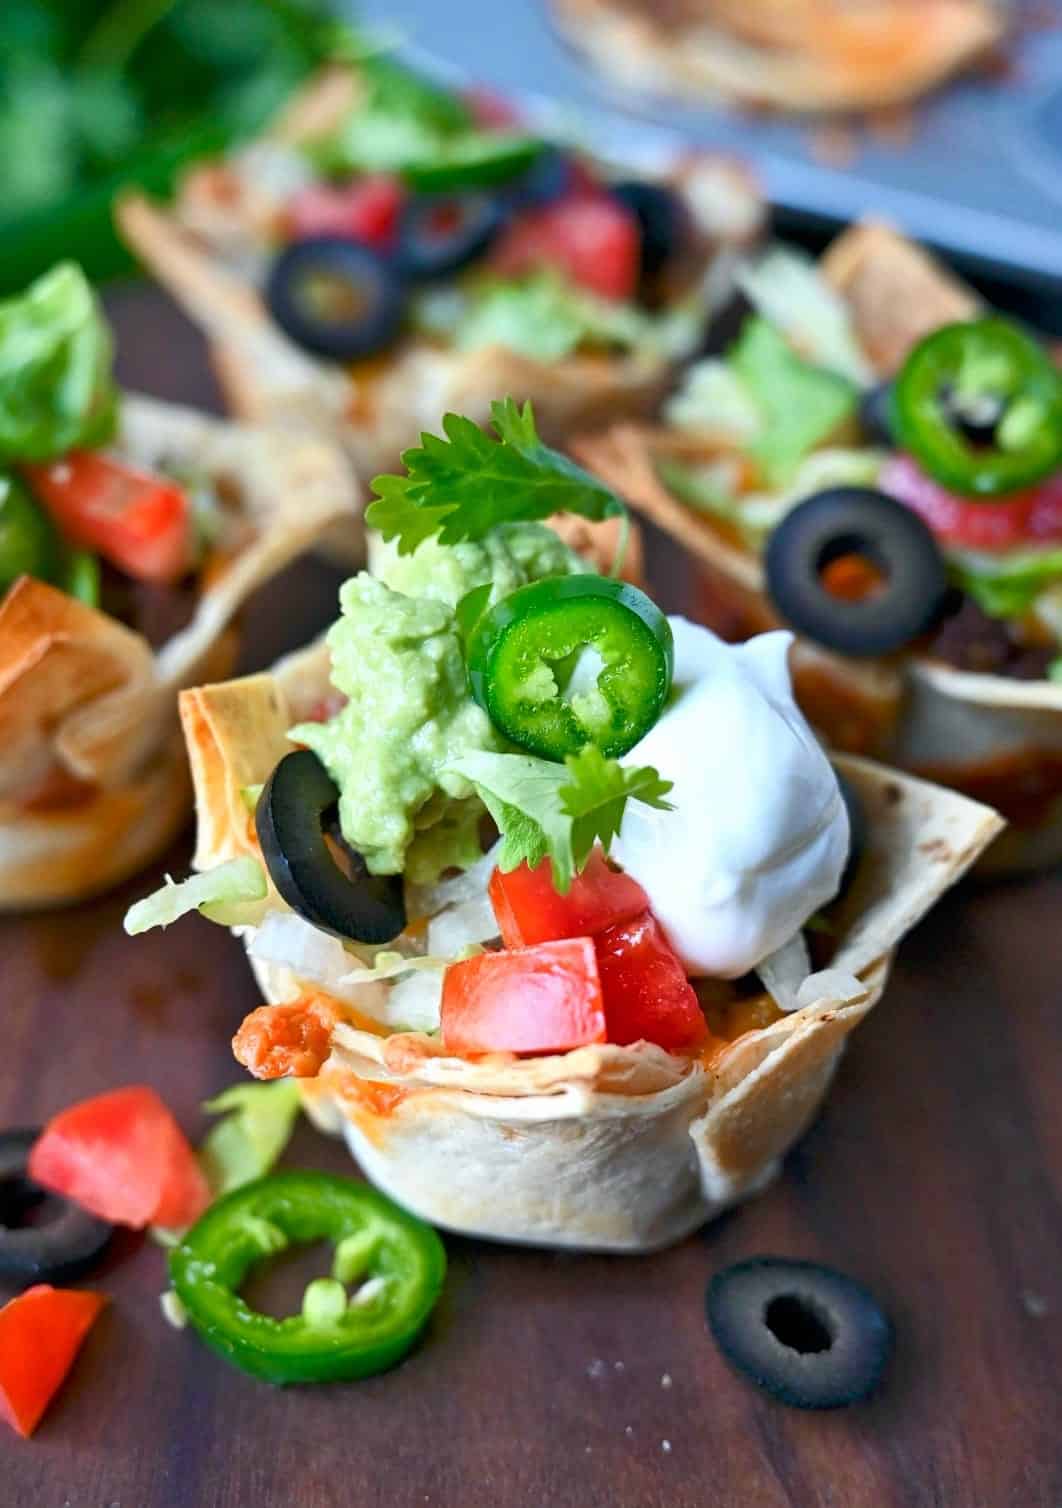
(139, 522)
(366, 210)
(490, 110)
(647, 995)
(1032, 517)
(529, 909)
(591, 238)
(524, 1000)
(41, 1332)
(122, 1156)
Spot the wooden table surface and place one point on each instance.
(550, 1381)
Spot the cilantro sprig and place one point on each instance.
(462, 486)
(545, 810)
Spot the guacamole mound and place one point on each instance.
(397, 657)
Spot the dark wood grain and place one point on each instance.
(552, 1381)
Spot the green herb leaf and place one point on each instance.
(471, 608)
(554, 811)
(56, 390)
(463, 486)
(257, 1126)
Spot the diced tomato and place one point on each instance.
(524, 1000)
(1032, 517)
(139, 522)
(591, 238)
(41, 1332)
(122, 1156)
(529, 909)
(646, 993)
(490, 110)
(365, 210)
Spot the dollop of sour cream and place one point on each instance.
(758, 837)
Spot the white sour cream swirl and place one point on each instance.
(758, 837)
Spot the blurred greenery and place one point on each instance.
(97, 93)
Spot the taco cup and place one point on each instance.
(587, 334)
(114, 604)
(616, 1126)
(813, 57)
(969, 700)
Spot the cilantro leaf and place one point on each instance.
(597, 797)
(554, 811)
(463, 486)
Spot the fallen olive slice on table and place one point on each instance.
(335, 297)
(319, 875)
(811, 1337)
(911, 588)
(399, 1262)
(440, 233)
(55, 1250)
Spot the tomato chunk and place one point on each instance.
(646, 993)
(592, 239)
(122, 1156)
(1032, 517)
(139, 522)
(524, 1000)
(366, 210)
(41, 1332)
(529, 909)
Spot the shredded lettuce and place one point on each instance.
(230, 894)
(1006, 586)
(802, 405)
(786, 287)
(258, 1120)
(545, 318)
(56, 391)
(714, 397)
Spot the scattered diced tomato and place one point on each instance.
(529, 909)
(1032, 517)
(139, 522)
(122, 1156)
(644, 986)
(591, 238)
(366, 210)
(41, 1332)
(524, 1000)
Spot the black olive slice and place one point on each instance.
(859, 831)
(843, 522)
(875, 416)
(308, 861)
(811, 1337)
(62, 1244)
(440, 233)
(334, 297)
(548, 177)
(662, 222)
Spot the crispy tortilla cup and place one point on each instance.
(995, 738)
(610, 1148)
(201, 250)
(799, 56)
(93, 777)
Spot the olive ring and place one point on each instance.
(857, 521)
(335, 297)
(55, 1249)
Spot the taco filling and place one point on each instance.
(386, 211)
(941, 461)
